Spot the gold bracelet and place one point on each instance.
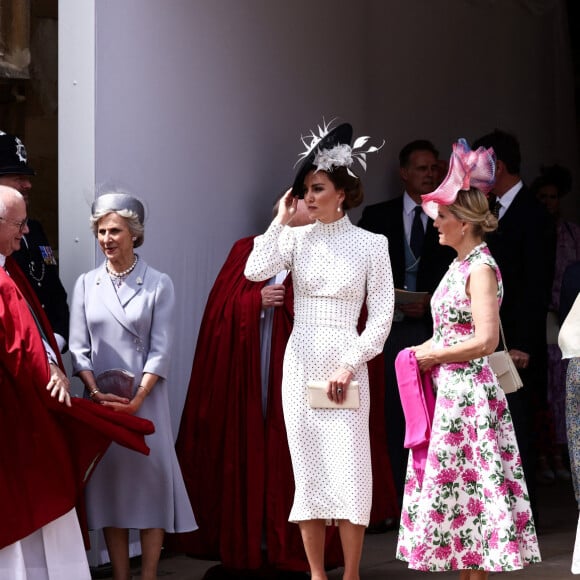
(144, 388)
(93, 391)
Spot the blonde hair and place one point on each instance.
(471, 206)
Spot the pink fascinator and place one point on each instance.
(467, 169)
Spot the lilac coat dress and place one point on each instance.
(132, 329)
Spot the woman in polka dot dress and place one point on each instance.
(470, 510)
(335, 267)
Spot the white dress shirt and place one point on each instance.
(506, 199)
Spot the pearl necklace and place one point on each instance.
(119, 277)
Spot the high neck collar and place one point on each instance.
(335, 226)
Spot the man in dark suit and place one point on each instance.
(417, 266)
(521, 247)
(35, 257)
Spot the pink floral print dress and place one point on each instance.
(471, 510)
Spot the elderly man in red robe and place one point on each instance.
(232, 443)
(50, 441)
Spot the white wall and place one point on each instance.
(198, 106)
(76, 146)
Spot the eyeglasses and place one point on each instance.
(20, 225)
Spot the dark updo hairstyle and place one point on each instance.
(506, 148)
(352, 186)
(471, 206)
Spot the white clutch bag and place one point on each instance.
(318, 399)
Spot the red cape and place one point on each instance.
(235, 463)
(49, 449)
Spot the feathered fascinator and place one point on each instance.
(467, 169)
(328, 149)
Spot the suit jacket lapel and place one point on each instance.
(115, 302)
(517, 201)
(397, 242)
(431, 233)
(132, 284)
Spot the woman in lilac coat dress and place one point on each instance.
(121, 318)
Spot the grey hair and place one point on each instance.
(136, 228)
(6, 190)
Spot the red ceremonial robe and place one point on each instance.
(235, 463)
(48, 450)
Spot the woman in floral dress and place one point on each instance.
(470, 509)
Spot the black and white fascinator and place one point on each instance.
(328, 149)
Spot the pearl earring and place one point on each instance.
(134, 238)
(338, 209)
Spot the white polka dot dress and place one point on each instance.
(334, 268)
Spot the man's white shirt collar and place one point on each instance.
(408, 214)
(408, 204)
(506, 199)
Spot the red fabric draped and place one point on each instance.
(235, 463)
(49, 449)
(385, 503)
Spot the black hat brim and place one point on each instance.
(17, 170)
(338, 136)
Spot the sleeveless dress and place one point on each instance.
(336, 268)
(471, 510)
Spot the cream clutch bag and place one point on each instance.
(318, 399)
(503, 366)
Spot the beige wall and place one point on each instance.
(198, 106)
